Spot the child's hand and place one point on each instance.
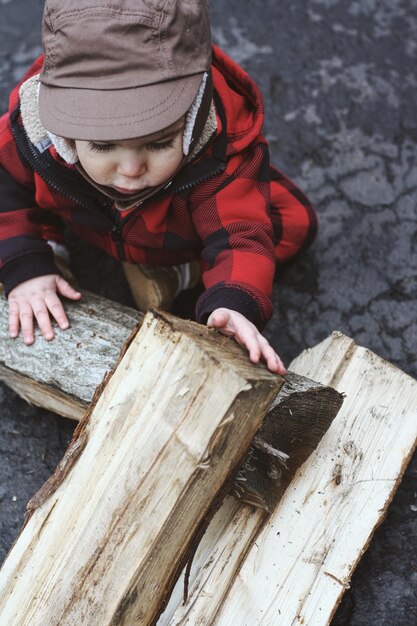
(234, 324)
(38, 298)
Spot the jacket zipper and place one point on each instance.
(220, 168)
(47, 178)
(115, 229)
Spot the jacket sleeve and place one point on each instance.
(24, 227)
(232, 217)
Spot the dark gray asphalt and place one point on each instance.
(340, 82)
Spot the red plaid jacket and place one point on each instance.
(228, 207)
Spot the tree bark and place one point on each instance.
(295, 423)
(62, 375)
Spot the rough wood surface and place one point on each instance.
(292, 567)
(62, 375)
(109, 533)
(296, 421)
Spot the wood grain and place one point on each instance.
(293, 567)
(106, 540)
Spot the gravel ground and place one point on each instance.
(339, 80)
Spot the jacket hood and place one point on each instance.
(242, 101)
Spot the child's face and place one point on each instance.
(133, 164)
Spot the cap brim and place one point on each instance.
(114, 115)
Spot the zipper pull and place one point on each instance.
(116, 235)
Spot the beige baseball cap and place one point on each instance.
(121, 69)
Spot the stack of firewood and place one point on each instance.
(173, 418)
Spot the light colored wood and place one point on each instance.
(215, 565)
(62, 375)
(110, 531)
(43, 396)
(294, 567)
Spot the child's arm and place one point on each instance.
(38, 298)
(234, 324)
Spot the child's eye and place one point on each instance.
(101, 147)
(161, 145)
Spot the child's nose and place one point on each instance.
(132, 164)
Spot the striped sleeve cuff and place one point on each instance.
(231, 297)
(25, 267)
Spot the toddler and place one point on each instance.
(146, 140)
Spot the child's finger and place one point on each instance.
(271, 358)
(254, 351)
(219, 319)
(57, 310)
(247, 336)
(251, 345)
(26, 322)
(13, 319)
(42, 317)
(67, 290)
(273, 361)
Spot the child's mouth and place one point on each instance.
(126, 191)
